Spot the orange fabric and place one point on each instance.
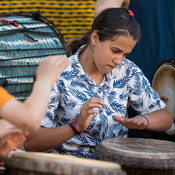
(4, 96)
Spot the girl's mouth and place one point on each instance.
(111, 67)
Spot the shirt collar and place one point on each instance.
(79, 69)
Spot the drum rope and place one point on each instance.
(19, 49)
(11, 22)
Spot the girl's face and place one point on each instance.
(108, 54)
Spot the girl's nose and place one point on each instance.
(117, 61)
(118, 58)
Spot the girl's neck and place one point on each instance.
(89, 66)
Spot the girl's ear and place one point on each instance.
(94, 37)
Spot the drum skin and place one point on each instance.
(22, 48)
(139, 156)
(32, 163)
(164, 84)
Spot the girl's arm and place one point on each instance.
(47, 138)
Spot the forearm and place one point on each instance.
(159, 120)
(29, 114)
(104, 4)
(47, 138)
(37, 102)
(125, 4)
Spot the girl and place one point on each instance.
(97, 86)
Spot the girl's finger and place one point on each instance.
(94, 105)
(92, 111)
(96, 100)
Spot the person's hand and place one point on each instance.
(10, 141)
(136, 122)
(51, 68)
(87, 111)
(6, 127)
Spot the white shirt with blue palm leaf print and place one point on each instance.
(124, 83)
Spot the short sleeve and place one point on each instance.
(4, 96)
(143, 98)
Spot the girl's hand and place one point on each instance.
(136, 122)
(87, 111)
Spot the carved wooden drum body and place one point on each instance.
(2, 170)
(164, 84)
(139, 156)
(25, 40)
(32, 163)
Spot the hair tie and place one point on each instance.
(130, 13)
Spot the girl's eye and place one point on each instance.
(115, 51)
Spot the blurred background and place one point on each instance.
(72, 18)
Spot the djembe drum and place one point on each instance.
(139, 156)
(2, 170)
(32, 163)
(164, 84)
(25, 40)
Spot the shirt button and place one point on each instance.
(100, 90)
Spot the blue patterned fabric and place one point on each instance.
(124, 83)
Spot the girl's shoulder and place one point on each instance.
(127, 65)
(71, 70)
(130, 65)
(126, 69)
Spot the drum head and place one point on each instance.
(164, 84)
(138, 153)
(61, 164)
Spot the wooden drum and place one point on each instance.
(139, 156)
(32, 163)
(164, 84)
(2, 170)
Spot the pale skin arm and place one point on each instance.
(104, 4)
(158, 121)
(6, 127)
(47, 138)
(28, 115)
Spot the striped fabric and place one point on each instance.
(72, 18)
(23, 47)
